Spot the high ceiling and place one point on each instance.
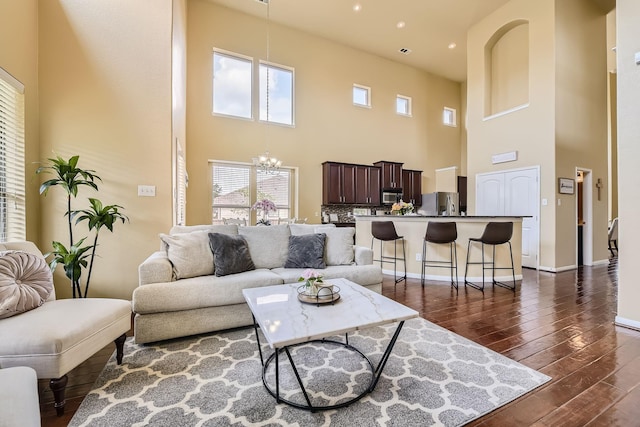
(430, 26)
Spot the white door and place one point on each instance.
(491, 187)
(514, 192)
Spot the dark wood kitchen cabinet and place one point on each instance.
(338, 183)
(412, 186)
(368, 185)
(391, 174)
(345, 183)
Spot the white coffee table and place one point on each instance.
(286, 322)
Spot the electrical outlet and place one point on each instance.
(418, 256)
(146, 190)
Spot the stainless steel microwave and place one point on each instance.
(391, 196)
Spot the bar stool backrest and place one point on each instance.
(497, 233)
(441, 232)
(384, 230)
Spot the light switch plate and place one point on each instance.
(146, 190)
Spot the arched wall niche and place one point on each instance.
(506, 58)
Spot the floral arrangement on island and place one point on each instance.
(266, 206)
(402, 208)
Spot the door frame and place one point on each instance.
(587, 214)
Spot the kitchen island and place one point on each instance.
(413, 229)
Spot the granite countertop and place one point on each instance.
(441, 216)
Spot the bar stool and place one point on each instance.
(441, 233)
(385, 231)
(495, 233)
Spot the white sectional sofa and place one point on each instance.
(180, 291)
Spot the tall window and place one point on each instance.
(237, 186)
(276, 81)
(12, 193)
(232, 77)
(277, 188)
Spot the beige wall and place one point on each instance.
(19, 57)
(509, 77)
(581, 120)
(328, 126)
(105, 94)
(530, 130)
(564, 125)
(628, 15)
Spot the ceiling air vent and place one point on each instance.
(263, 1)
(405, 51)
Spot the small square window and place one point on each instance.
(403, 105)
(449, 117)
(361, 96)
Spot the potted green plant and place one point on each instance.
(71, 178)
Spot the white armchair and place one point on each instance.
(58, 335)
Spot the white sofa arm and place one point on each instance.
(155, 269)
(363, 256)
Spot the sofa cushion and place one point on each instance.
(189, 254)
(25, 282)
(300, 229)
(365, 275)
(268, 245)
(339, 245)
(306, 251)
(200, 292)
(209, 228)
(230, 254)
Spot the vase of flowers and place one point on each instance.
(266, 206)
(312, 279)
(402, 208)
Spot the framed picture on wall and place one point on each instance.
(566, 186)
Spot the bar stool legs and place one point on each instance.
(495, 233)
(385, 232)
(441, 233)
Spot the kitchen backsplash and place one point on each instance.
(344, 213)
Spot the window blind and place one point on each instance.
(181, 183)
(12, 191)
(276, 187)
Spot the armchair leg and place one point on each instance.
(120, 347)
(58, 386)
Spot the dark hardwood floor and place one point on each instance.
(560, 324)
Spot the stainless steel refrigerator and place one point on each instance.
(440, 204)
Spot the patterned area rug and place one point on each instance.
(433, 377)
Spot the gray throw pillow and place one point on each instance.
(230, 254)
(306, 251)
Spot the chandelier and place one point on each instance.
(267, 163)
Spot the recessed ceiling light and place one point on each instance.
(357, 7)
(401, 24)
(452, 45)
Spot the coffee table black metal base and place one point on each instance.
(375, 372)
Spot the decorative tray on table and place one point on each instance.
(326, 294)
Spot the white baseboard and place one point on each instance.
(447, 278)
(558, 269)
(627, 323)
(600, 262)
